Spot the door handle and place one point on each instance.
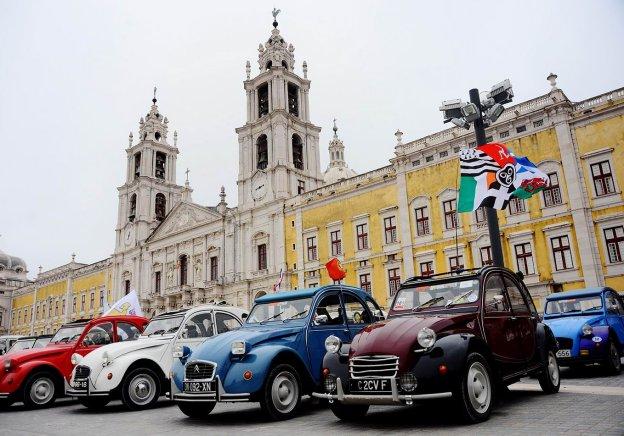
(513, 318)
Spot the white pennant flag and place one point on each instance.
(127, 305)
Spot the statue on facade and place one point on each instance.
(198, 268)
(170, 276)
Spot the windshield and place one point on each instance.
(569, 305)
(21, 345)
(161, 326)
(279, 310)
(41, 342)
(67, 334)
(437, 295)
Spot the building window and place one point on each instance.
(552, 193)
(214, 268)
(472, 144)
(524, 258)
(390, 229)
(443, 153)
(614, 237)
(363, 263)
(538, 123)
(161, 162)
(137, 164)
(133, 202)
(262, 257)
(262, 153)
(63, 307)
(456, 262)
(394, 280)
(480, 215)
(561, 253)
(426, 268)
(92, 301)
(365, 282)
(82, 303)
(293, 99)
(516, 206)
(429, 158)
(504, 134)
(127, 287)
(456, 149)
(486, 255)
(336, 243)
(416, 163)
(521, 129)
(102, 297)
(73, 306)
(362, 236)
(311, 244)
(297, 151)
(184, 269)
(450, 214)
(38, 312)
(263, 100)
(300, 187)
(422, 221)
(603, 178)
(161, 206)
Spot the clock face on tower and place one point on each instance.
(259, 185)
(129, 236)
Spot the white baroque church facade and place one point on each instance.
(176, 253)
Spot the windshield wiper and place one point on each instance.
(458, 298)
(427, 303)
(157, 332)
(271, 317)
(592, 308)
(295, 315)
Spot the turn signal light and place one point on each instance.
(109, 375)
(442, 369)
(584, 352)
(325, 372)
(247, 375)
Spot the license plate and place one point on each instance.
(197, 387)
(81, 385)
(370, 385)
(564, 353)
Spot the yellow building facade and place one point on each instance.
(67, 293)
(398, 221)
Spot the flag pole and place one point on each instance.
(492, 217)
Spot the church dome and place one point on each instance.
(338, 169)
(11, 262)
(336, 174)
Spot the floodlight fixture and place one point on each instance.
(494, 113)
(501, 92)
(451, 109)
(487, 103)
(460, 122)
(470, 112)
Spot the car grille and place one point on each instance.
(373, 366)
(82, 371)
(564, 343)
(200, 371)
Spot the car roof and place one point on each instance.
(26, 338)
(306, 293)
(577, 293)
(224, 307)
(453, 276)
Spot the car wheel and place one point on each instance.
(140, 389)
(612, 362)
(349, 412)
(39, 390)
(475, 391)
(282, 393)
(94, 403)
(196, 410)
(550, 378)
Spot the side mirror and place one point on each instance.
(182, 353)
(244, 315)
(320, 320)
(379, 316)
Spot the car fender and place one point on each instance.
(545, 341)
(259, 361)
(23, 371)
(120, 367)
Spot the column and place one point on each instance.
(404, 222)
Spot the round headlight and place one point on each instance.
(238, 348)
(426, 337)
(75, 358)
(408, 381)
(329, 383)
(332, 344)
(587, 329)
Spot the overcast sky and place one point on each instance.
(76, 76)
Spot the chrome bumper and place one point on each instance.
(388, 399)
(82, 393)
(219, 395)
(4, 395)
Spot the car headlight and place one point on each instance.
(8, 364)
(75, 359)
(426, 337)
(106, 360)
(330, 384)
(238, 348)
(408, 381)
(587, 329)
(177, 351)
(333, 344)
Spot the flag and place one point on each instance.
(277, 285)
(491, 175)
(335, 269)
(127, 305)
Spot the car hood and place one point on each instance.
(570, 326)
(23, 356)
(119, 349)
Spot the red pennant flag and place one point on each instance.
(335, 269)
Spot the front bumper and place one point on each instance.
(394, 397)
(4, 395)
(207, 397)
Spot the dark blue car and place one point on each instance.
(588, 325)
(275, 357)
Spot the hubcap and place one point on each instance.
(142, 389)
(42, 391)
(615, 356)
(479, 387)
(285, 392)
(553, 369)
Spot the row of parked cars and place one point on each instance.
(462, 336)
(13, 343)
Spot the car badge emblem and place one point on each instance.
(196, 368)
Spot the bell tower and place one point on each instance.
(278, 145)
(150, 190)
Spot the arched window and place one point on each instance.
(161, 206)
(132, 214)
(262, 152)
(269, 65)
(161, 161)
(137, 164)
(263, 100)
(297, 151)
(284, 64)
(293, 99)
(183, 269)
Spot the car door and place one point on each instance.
(524, 319)
(196, 329)
(226, 322)
(499, 327)
(357, 314)
(615, 314)
(327, 319)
